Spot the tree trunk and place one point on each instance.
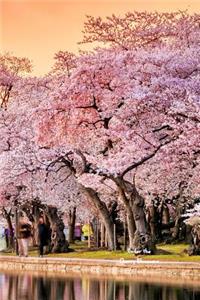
(10, 234)
(129, 212)
(58, 242)
(36, 215)
(71, 224)
(194, 248)
(104, 215)
(165, 214)
(154, 221)
(125, 234)
(102, 235)
(131, 226)
(95, 225)
(142, 242)
(180, 210)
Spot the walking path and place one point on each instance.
(138, 267)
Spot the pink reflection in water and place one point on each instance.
(31, 287)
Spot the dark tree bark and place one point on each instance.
(142, 242)
(58, 242)
(139, 237)
(129, 211)
(194, 248)
(113, 211)
(102, 233)
(95, 225)
(71, 224)
(177, 232)
(36, 213)
(104, 215)
(180, 210)
(152, 220)
(10, 237)
(131, 227)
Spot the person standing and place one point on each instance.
(6, 232)
(42, 235)
(24, 234)
(3, 244)
(87, 231)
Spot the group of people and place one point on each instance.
(25, 232)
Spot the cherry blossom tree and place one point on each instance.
(122, 121)
(65, 62)
(22, 160)
(11, 69)
(121, 111)
(143, 29)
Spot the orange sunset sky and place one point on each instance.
(39, 28)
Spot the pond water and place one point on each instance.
(31, 287)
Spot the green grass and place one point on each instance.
(100, 254)
(175, 252)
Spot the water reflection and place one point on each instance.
(29, 287)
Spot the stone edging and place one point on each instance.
(181, 270)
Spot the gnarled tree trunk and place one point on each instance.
(194, 248)
(104, 215)
(139, 236)
(142, 242)
(130, 218)
(71, 224)
(10, 233)
(58, 242)
(36, 212)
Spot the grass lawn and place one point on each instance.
(164, 253)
